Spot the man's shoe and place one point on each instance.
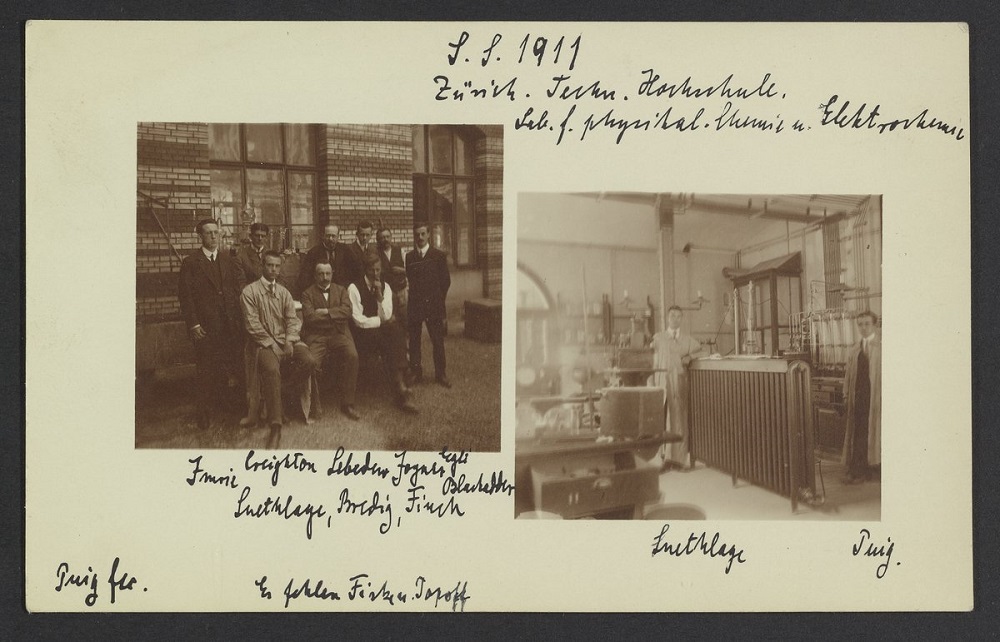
(350, 413)
(416, 377)
(407, 407)
(274, 439)
(443, 382)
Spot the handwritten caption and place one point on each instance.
(362, 587)
(409, 486)
(71, 578)
(552, 97)
(866, 547)
(697, 544)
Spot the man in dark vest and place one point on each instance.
(393, 273)
(326, 312)
(208, 289)
(376, 332)
(427, 273)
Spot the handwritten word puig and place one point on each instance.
(866, 547)
(117, 580)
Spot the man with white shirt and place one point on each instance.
(208, 289)
(326, 313)
(673, 352)
(274, 350)
(376, 331)
(863, 393)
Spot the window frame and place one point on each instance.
(456, 182)
(243, 164)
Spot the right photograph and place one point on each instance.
(698, 356)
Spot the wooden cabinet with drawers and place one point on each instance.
(610, 480)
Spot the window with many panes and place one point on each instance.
(265, 173)
(444, 190)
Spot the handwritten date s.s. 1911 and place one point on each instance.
(541, 48)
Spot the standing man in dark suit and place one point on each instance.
(209, 288)
(356, 252)
(332, 252)
(427, 273)
(326, 311)
(393, 273)
(249, 258)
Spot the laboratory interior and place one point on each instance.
(698, 356)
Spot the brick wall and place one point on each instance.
(366, 172)
(174, 192)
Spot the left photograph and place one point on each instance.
(317, 286)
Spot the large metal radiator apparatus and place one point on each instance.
(752, 417)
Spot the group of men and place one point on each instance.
(355, 298)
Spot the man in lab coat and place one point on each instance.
(863, 393)
(673, 352)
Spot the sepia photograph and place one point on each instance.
(318, 286)
(698, 356)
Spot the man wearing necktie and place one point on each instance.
(250, 257)
(330, 251)
(355, 254)
(673, 352)
(273, 352)
(863, 393)
(394, 273)
(208, 289)
(326, 311)
(376, 331)
(429, 279)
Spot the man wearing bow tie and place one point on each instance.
(208, 289)
(673, 352)
(274, 351)
(376, 331)
(863, 393)
(326, 311)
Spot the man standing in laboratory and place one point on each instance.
(673, 352)
(863, 393)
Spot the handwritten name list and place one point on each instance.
(409, 485)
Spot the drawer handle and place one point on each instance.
(602, 484)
